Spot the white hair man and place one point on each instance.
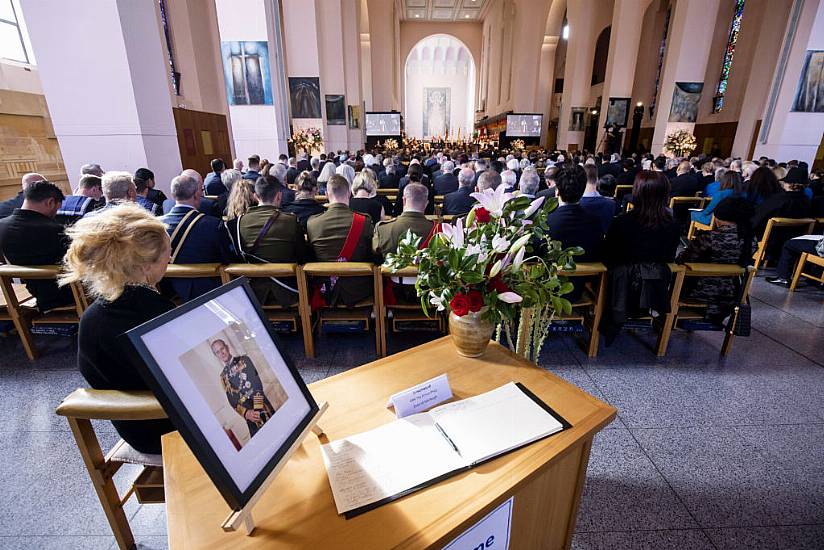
(530, 181)
(198, 238)
(390, 232)
(446, 182)
(509, 179)
(459, 201)
(9, 206)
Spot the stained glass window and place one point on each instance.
(729, 51)
(661, 50)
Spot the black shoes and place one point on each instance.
(777, 281)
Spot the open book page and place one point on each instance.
(383, 462)
(494, 423)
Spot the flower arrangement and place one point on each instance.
(499, 263)
(518, 145)
(308, 140)
(390, 145)
(680, 143)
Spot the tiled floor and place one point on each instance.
(704, 454)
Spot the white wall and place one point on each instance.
(254, 127)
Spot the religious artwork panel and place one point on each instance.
(810, 95)
(618, 111)
(217, 369)
(335, 110)
(354, 116)
(436, 109)
(305, 96)
(685, 98)
(246, 73)
(576, 119)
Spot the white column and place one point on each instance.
(625, 35)
(257, 129)
(106, 82)
(578, 70)
(688, 45)
(787, 134)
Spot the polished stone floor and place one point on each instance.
(704, 454)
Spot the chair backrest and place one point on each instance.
(192, 271)
(259, 270)
(339, 269)
(621, 190)
(585, 269)
(697, 202)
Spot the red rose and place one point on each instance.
(460, 305)
(498, 285)
(482, 215)
(476, 300)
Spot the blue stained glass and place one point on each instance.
(661, 50)
(729, 52)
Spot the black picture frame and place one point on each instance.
(180, 416)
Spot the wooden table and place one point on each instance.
(298, 511)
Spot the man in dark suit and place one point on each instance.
(252, 169)
(389, 179)
(30, 236)
(9, 206)
(459, 202)
(446, 181)
(88, 197)
(686, 182)
(591, 201)
(570, 223)
(303, 163)
(196, 237)
(292, 172)
(207, 206)
(213, 184)
(627, 177)
(328, 233)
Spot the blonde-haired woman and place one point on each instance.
(241, 197)
(119, 255)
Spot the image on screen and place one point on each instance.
(523, 125)
(383, 124)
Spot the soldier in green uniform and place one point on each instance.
(243, 387)
(389, 233)
(267, 234)
(328, 232)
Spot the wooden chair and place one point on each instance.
(23, 312)
(362, 311)
(274, 312)
(589, 308)
(760, 254)
(694, 310)
(690, 202)
(80, 408)
(696, 226)
(439, 204)
(193, 271)
(620, 191)
(807, 258)
(400, 311)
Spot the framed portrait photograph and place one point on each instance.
(219, 372)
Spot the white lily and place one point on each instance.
(454, 233)
(519, 259)
(473, 250)
(493, 200)
(496, 268)
(517, 245)
(510, 297)
(437, 301)
(500, 243)
(533, 207)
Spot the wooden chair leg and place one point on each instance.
(798, 270)
(21, 324)
(305, 310)
(102, 481)
(671, 317)
(595, 334)
(380, 325)
(727, 345)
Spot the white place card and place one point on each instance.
(491, 533)
(421, 397)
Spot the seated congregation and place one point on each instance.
(684, 235)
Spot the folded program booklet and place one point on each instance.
(372, 468)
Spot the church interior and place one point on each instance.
(278, 259)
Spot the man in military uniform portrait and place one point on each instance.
(243, 387)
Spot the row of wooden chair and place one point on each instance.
(588, 309)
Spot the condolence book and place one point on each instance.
(372, 468)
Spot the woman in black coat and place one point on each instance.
(120, 255)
